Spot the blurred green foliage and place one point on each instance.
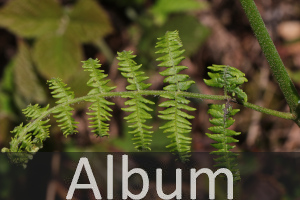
(163, 8)
(50, 40)
(192, 34)
(50, 37)
(58, 31)
(26, 80)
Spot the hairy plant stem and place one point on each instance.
(283, 115)
(286, 85)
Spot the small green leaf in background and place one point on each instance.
(7, 80)
(58, 31)
(88, 21)
(295, 75)
(6, 88)
(57, 56)
(192, 34)
(163, 8)
(5, 104)
(31, 18)
(76, 82)
(26, 81)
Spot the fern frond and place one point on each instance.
(64, 114)
(100, 106)
(178, 124)
(137, 103)
(229, 78)
(222, 120)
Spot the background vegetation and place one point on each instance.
(38, 44)
(39, 41)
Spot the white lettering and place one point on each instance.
(125, 176)
(110, 176)
(83, 162)
(212, 176)
(176, 193)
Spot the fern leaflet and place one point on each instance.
(178, 124)
(100, 106)
(137, 103)
(222, 120)
(229, 78)
(40, 129)
(63, 112)
(34, 134)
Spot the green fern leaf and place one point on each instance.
(64, 114)
(33, 135)
(222, 120)
(35, 111)
(178, 125)
(229, 78)
(24, 145)
(137, 103)
(21, 152)
(100, 106)
(40, 129)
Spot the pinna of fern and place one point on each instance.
(63, 112)
(34, 133)
(100, 107)
(28, 139)
(178, 126)
(222, 120)
(137, 103)
(40, 130)
(229, 78)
